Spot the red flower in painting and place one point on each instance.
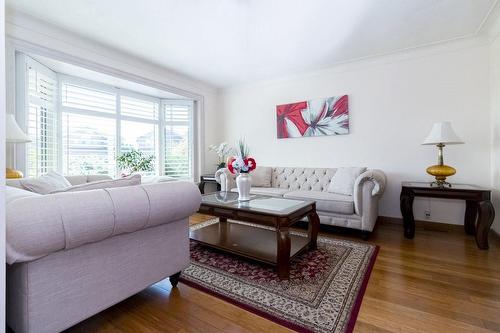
(293, 113)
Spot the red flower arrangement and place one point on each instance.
(241, 163)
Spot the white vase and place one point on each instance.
(244, 183)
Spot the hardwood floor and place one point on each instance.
(438, 282)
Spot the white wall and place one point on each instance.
(2, 165)
(24, 31)
(495, 115)
(393, 102)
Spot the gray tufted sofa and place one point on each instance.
(357, 211)
(71, 255)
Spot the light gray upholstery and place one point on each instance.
(74, 180)
(57, 291)
(74, 254)
(270, 191)
(68, 220)
(304, 179)
(359, 211)
(325, 201)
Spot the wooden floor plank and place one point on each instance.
(438, 282)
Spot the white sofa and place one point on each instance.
(71, 255)
(357, 211)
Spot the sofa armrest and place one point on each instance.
(226, 179)
(40, 225)
(375, 179)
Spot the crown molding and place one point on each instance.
(30, 30)
(417, 52)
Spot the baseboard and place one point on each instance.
(495, 235)
(426, 225)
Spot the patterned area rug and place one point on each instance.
(323, 294)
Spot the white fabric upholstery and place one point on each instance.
(73, 180)
(82, 179)
(68, 220)
(271, 191)
(325, 201)
(44, 184)
(305, 179)
(261, 176)
(72, 255)
(131, 180)
(14, 193)
(360, 212)
(59, 290)
(344, 179)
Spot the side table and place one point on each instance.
(204, 179)
(479, 211)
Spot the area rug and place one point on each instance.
(323, 294)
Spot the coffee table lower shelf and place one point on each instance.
(247, 241)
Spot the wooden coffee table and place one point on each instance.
(274, 245)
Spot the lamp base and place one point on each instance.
(440, 172)
(13, 173)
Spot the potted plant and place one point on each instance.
(242, 165)
(135, 161)
(223, 150)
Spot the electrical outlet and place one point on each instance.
(427, 214)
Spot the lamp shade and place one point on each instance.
(442, 133)
(13, 133)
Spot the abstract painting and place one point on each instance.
(325, 116)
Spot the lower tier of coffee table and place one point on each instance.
(247, 241)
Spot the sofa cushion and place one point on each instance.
(261, 176)
(344, 179)
(325, 201)
(271, 191)
(131, 180)
(13, 193)
(82, 179)
(52, 181)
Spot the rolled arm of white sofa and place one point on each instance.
(226, 179)
(367, 188)
(43, 224)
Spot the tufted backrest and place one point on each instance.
(306, 179)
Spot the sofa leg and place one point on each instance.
(174, 279)
(365, 234)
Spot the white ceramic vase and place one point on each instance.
(243, 183)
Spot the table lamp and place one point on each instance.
(14, 134)
(441, 134)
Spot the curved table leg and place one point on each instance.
(485, 217)
(284, 246)
(313, 230)
(471, 210)
(406, 205)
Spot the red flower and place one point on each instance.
(250, 162)
(230, 164)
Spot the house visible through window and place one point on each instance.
(87, 125)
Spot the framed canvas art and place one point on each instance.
(325, 116)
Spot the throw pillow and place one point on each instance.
(343, 180)
(131, 180)
(45, 184)
(261, 176)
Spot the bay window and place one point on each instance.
(80, 127)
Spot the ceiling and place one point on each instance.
(230, 42)
(69, 69)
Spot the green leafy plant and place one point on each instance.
(136, 161)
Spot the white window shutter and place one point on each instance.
(178, 149)
(41, 119)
